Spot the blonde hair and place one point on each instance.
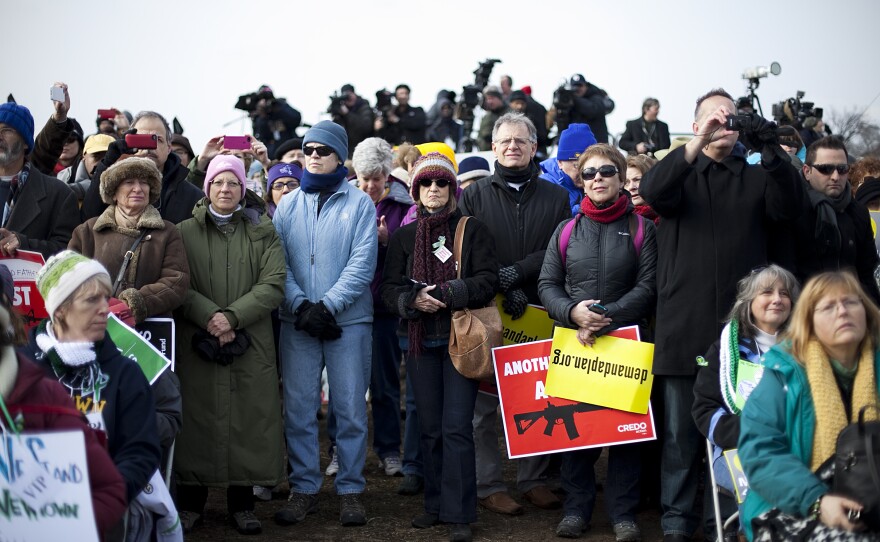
(801, 329)
(96, 284)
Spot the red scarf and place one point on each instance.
(647, 212)
(605, 215)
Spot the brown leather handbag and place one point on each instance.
(474, 332)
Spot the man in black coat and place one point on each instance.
(39, 212)
(646, 135)
(522, 212)
(715, 213)
(591, 104)
(836, 231)
(355, 115)
(403, 123)
(178, 196)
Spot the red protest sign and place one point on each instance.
(28, 301)
(536, 424)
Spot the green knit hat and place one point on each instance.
(63, 274)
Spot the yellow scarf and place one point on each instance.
(830, 412)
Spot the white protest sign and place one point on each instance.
(67, 513)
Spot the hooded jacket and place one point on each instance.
(554, 174)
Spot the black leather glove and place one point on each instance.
(329, 329)
(509, 277)
(760, 136)
(300, 312)
(515, 303)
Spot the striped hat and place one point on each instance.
(433, 165)
(63, 274)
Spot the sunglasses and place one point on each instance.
(604, 171)
(291, 185)
(441, 183)
(828, 169)
(322, 150)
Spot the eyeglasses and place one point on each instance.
(322, 150)
(232, 185)
(279, 185)
(605, 171)
(426, 183)
(848, 303)
(520, 142)
(828, 169)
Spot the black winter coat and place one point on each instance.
(601, 263)
(522, 229)
(175, 203)
(715, 219)
(44, 214)
(591, 109)
(636, 133)
(475, 289)
(854, 249)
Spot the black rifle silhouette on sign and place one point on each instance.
(554, 414)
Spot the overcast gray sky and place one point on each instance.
(191, 59)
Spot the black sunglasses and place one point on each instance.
(279, 185)
(828, 169)
(441, 183)
(605, 171)
(322, 150)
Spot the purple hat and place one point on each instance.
(284, 170)
(433, 165)
(221, 163)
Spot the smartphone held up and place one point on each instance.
(141, 141)
(237, 143)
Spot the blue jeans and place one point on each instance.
(445, 401)
(621, 484)
(680, 462)
(348, 372)
(385, 387)
(412, 451)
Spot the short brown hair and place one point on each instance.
(641, 162)
(604, 150)
(711, 94)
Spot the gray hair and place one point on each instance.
(515, 118)
(748, 288)
(372, 155)
(154, 115)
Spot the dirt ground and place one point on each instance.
(389, 516)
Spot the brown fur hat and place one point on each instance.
(130, 168)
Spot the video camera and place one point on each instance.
(383, 101)
(563, 101)
(793, 111)
(470, 99)
(248, 102)
(336, 103)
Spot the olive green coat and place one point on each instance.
(232, 433)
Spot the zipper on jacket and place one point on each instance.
(601, 266)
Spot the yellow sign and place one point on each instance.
(534, 325)
(614, 372)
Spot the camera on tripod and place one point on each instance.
(470, 99)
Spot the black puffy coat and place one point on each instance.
(601, 263)
(521, 227)
(477, 285)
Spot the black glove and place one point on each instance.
(515, 303)
(760, 136)
(330, 330)
(300, 312)
(509, 277)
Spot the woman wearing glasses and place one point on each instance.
(231, 435)
(421, 287)
(598, 275)
(814, 384)
(282, 180)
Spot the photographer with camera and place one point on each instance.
(401, 124)
(590, 104)
(274, 120)
(707, 197)
(494, 106)
(646, 134)
(352, 113)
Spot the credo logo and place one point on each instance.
(640, 427)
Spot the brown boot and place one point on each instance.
(501, 503)
(542, 497)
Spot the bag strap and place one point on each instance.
(565, 237)
(456, 245)
(128, 256)
(869, 446)
(637, 232)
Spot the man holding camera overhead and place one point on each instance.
(717, 214)
(352, 113)
(177, 198)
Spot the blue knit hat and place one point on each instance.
(574, 140)
(331, 134)
(473, 167)
(19, 117)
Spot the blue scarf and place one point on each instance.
(314, 182)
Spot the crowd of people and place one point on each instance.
(748, 258)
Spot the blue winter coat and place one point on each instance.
(554, 174)
(776, 439)
(331, 256)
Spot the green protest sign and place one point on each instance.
(133, 345)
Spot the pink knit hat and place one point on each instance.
(221, 163)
